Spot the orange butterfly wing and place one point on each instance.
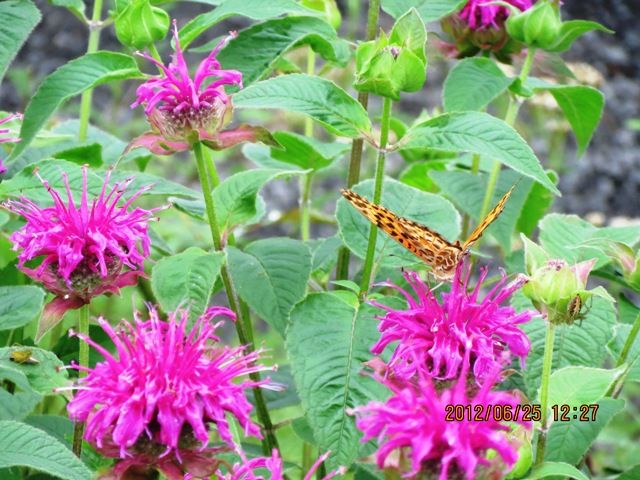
(426, 244)
(488, 220)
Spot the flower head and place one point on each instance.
(246, 469)
(164, 387)
(183, 109)
(413, 422)
(87, 249)
(480, 26)
(432, 335)
(484, 14)
(4, 131)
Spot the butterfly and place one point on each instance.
(431, 247)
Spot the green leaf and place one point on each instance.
(19, 305)
(43, 376)
(633, 357)
(571, 30)
(417, 174)
(569, 441)
(20, 403)
(479, 133)
(186, 280)
(257, 49)
(90, 154)
(426, 208)
(429, 10)
(574, 240)
(58, 426)
(71, 79)
(578, 344)
(321, 99)
(253, 9)
(66, 134)
(467, 191)
(551, 469)
(327, 341)
(536, 206)
(76, 7)
(632, 474)
(236, 199)
(473, 84)
(271, 275)
(582, 107)
(17, 19)
(25, 183)
(575, 386)
(24, 445)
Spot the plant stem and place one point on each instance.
(154, 52)
(92, 46)
(83, 361)
(510, 119)
(307, 178)
(475, 167)
(629, 342)
(243, 324)
(377, 195)
(357, 145)
(544, 391)
(616, 387)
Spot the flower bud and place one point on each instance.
(395, 63)
(629, 263)
(557, 289)
(140, 24)
(537, 27)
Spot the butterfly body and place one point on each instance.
(431, 247)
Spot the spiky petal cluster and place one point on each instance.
(165, 386)
(432, 335)
(484, 14)
(273, 464)
(182, 109)
(87, 248)
(4, 131)
(413, 422)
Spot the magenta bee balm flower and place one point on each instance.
(86, 249)
(183, 109)
(4, 131)
(480, 26)
(432, 334)
(484, 14)
(164, 388)
(273, 465)
(415, 424)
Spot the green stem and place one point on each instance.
(306, 179)
(154, 52)
(83, 361)
(544, 391)
(475, 168)
(510, 119)
(385, 124)
(629, 342)
(92, 46)
(243, 325)
(357, 145)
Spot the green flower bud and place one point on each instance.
(394, 64)
(557, 289)
(140, 24)
(537, 27)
